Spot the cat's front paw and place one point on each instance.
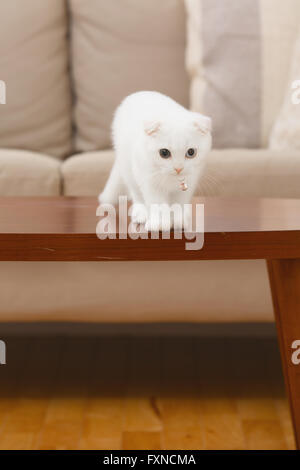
(178, 223)
(156, 224)
(138, 213)
(182, 221)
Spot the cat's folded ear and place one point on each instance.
(202, 123)
(152, 127)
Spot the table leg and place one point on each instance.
(284, 278)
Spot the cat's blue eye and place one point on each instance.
(191, 153)
(165, 153)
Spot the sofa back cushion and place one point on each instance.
(33, 64)
(119, 47)
(238, 57)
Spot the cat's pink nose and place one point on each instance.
(178, 170)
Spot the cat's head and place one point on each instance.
(179, 147)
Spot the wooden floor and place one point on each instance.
(145, 393)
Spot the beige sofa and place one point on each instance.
(66, 66)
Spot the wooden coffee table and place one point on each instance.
(64, 229)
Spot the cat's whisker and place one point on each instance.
(209, 185)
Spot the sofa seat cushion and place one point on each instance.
(24, 173)
(235, 172)
(86, 174)
(253, 173)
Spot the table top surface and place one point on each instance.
(234, 228)
(76, 215)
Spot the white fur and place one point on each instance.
(144, 123)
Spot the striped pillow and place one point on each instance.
(238, 58)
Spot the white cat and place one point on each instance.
(160, 150)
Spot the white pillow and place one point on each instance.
(238, 57)
(285, 134)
